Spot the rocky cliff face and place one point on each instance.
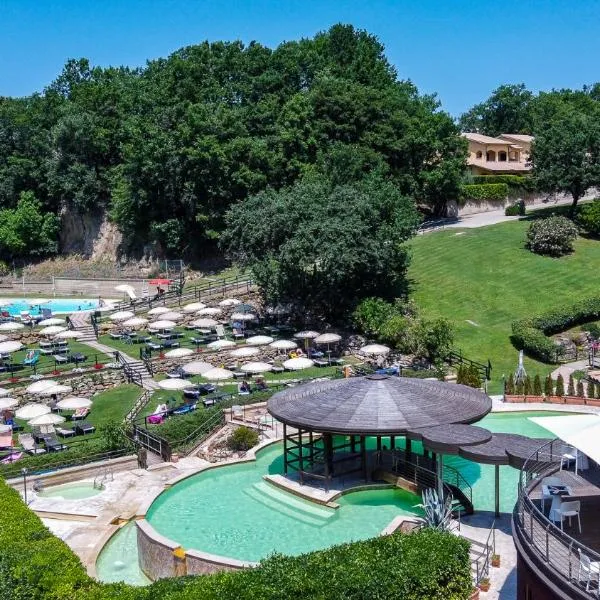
(90, 234)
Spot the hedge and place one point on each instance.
(517, 184)
(484, 192)
(428, 565)
(530, 334)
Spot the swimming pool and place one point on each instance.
(71, 491)
(231, 511)
(57, 305)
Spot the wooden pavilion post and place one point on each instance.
(285, 454)
(392, 442)
(328, 443)
(311, 451)
(300, 456)
(363, 457)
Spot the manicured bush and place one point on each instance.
(242, 439)
(571, 386)
(468, 375)
(560, 386)
(484, 192)
(528, 386)
(515, 210)
(580, 390)
(509, 387)
(553, 236)
(517, 184)
(589, 217)
(537, 385)
(520, 387)
(549, 386)
(590, 389)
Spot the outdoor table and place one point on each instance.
(558, 492)
(153, 345)
(240, 374)
(277, 370)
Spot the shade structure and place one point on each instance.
(179, 352)
(8, 347)
(259, 340)
(204, 323)
(244, 351)
(173, 384)
(238, 316)
(209, 310)
(121, 315)
(327, 338)
(135, 322)
(297, 364)
(580, 431)
(69, 334)
(73, 403)
(8, 403)
(162, 324)
(55, 390)
(220, 344)
(46, 419)
(52, 330)
(197, 367)
(51, 321)
(4, 392)
(11, 326)
(306, 335)
(256, 367)
(230, 302)
(38, 386)
(159, 310)
(448, 438)
(377, 405)
(283, 345)
(172, 315)
(375, 349)
(31, 410)
(193, 307)
(218, 374)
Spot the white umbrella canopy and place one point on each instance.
(220, 344)
(179, 353)
(209, 310)
(242, 316)
(172, 315)
(70, 334)
(283, 345)
(73, 403)
(11, 326)
(47, 419)
(203, 323)
(4, 392)
(296, 364)
(31, 410)
(135, 322)
(197, 367)
(217, 374)
(55, 390)
(245, 351)
(159, 310)
(162, 324)
(259, 340)
(328, 338)
(8, 347)
(375, 349)
(3, 338)
(121, 315)
(193, 307)
(306, 335)
(51, 321)
(37, 386)
(173, 384)
(230, 302)
(52, 330)
(256, 367)
(8, 403)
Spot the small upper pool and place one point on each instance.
(57, 305)
(71, 491)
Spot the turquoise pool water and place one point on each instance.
(57, 305)
(231, 511)
(71, 491)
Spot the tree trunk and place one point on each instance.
(573, 208)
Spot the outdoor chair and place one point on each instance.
(64, 432)
(28, 444)
(84, 428)
(547, 481)
(78, 357)
(588, 570)
(570, 456)
(153, 345)
(569, 510)
(176, 373)
(53, 445)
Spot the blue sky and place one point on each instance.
(459, 49)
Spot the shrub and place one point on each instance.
(571, 386)
(549, 386)
(520, 387)
(594, 330)
(515, 210)
(537, 385)
(371, 314)
(591, 389)
(560, 386)
(242, 439)
(589, 217)
(517, 184)
(509, 388)
(553, 236)
(528, 386)
(484, 192)
(580, 391)
(468, 375)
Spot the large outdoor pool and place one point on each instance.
(231, 511)
(57, 305)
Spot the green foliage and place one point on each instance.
(433, 339)
(560, 386)
(517, 184)
(580, 389)
(594, 330)
(528, 386)
(515, 210)
(591, 389)
(371, 314)
(468, 375)
(428, 565)
(520, 387)
(589, 217)
(484, 192)
(537, 385)
(176, 430)
(242, 439)
(553, 236)
(509, 386)
(549, 386)
(571, 386)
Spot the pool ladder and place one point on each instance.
(99, 480)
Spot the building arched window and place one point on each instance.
(479, 154)
(491, 156)
(502, 156)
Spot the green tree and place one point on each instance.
(528, 387)
(589, 217)
(591, 389)
(537, 385)
(549, 386)
(571, 386)
(434, 339)
(509, 387)
(580, 389)
(371, 315)
(560, 386)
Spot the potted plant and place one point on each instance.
(495, 560)
(484, 585)
(475, 594)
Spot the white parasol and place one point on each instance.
(135, 322)
(38, 386)
(55, 390)
(8, 403)
(31, 410)
(121, 315)
(73, 403)
(4, 391)
(230, 302)
(242, 317)
(162, 324)
(220, 344)
(204, 323)
(328, 338)
(179, 353)
(11, 326)
(196, 367)
(283, 345)
(8, 347)
(172, 315)
(218, 373)
(46, 419)
(159, 310)
(70, 334)
(193, 307)
(51, 321)
(375, 349)
(210, 310)
(306, 335)
(244, 351)
(256, 367)
(259, 340)
(52, 330)
(296, 364)
(173, 384)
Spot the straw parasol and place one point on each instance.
(38, 386)
(121, 315)
(69, 334)
(179, 353)
(46, 419)
(196, 367)
(159, 310)
(220, 344)
(8, 403)
(73, 403)
(375, 349)
(218, 373)
(162, 324)
(11, 326)
(173, 384)
(55, 390)
(244, 351)
(135, 322)
(297, 364)
(51, 321)
(256, 367)
(52, 330)
(259, 340)
(31, 410)
(204, 323)
(172, 315)
(8, 347)
(237, 316)
(210, 310)
(193, 307)
(283, 345)
(230, 302)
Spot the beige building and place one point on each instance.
(508, 154)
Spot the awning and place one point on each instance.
(160, 281)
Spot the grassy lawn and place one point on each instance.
(487, 276)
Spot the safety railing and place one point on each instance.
(140, 404)
(151, 441)
(482, 560)
(130, 373)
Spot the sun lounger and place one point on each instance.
(28, 444)
(321, 363)
(53, 445)
(183, 410)
(153, 345)
(31, 358)
(115, 335)
(80, 414)
(64, 432)
(11, 458)
(170, 344)
(84, 428)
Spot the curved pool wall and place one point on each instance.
(56, 305)
(230, 511)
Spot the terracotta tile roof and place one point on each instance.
(517, 137)
(484, 139)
